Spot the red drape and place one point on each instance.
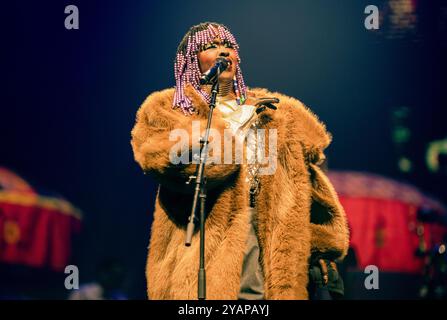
(384, 233)
(36, 235)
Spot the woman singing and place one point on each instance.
(266, 221)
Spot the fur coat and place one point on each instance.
(298, 211)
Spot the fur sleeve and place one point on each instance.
(330, 233)
(329, 230)
(152, 146)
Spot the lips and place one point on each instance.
(230, 64)
(229, 61)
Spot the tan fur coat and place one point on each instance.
(298, 211)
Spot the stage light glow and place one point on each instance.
(434, 150)
(405, 164)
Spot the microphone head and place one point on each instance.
(223, 63)
(220, 66)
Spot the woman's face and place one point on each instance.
(218, 48)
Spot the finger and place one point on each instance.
(260, 109)
(262, 101)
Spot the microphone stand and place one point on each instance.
(200, 192)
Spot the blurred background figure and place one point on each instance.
(435, 272)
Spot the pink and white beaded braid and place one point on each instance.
(187, 70)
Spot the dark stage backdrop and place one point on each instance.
(69, 97)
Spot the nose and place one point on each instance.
(224, 54)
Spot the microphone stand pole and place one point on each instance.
(200, 192)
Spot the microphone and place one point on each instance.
(210, 76)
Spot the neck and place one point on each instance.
(225, 90)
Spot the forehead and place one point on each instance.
(213, 34)
(218, 40)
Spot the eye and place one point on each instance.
(209, 46)
(228, 45)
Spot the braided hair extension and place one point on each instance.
(186, 64)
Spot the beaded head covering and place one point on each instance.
(186, 65)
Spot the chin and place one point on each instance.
(227, 76)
